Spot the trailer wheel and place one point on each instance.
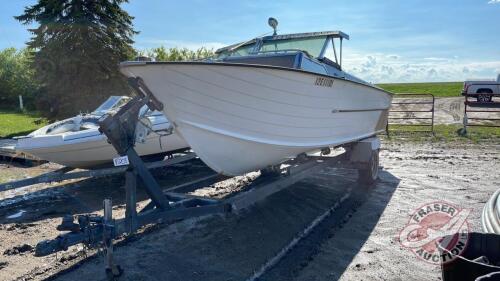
(370, 174)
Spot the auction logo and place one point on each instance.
(436, 224)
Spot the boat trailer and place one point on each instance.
(175, 203)
(68, 173)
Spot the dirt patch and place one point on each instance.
(16, 250)
(3, 264)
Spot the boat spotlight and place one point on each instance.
(273, 23)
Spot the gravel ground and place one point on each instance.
(463, 175)
(358, 242)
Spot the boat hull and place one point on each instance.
(89, 148)
(239, 118)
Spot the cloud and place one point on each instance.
(387, 69)
(436, 59)
(494, 2)
(371, 62)
(380, 68)
(394, 57)
(431, 73)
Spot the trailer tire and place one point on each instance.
(369, 175)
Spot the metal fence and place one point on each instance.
(485, 114)
(411, 113)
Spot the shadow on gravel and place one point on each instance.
(234, 246)
(86, 196)
(327, 233)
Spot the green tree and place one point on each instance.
(17, 78)
(77, 47)
(178, 54)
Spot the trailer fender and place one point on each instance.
(363, 149)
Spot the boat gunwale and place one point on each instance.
(143, 63)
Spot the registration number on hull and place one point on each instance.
(324, 82)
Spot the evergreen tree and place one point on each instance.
(77, 47)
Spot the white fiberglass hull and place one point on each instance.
(89, 148)
(239, 118)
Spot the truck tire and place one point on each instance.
(369, 175)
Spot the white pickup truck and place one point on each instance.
(483, 90)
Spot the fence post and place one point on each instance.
(464, 131)
(21, 106)
(433, 109)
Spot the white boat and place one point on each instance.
(76, 142)
(263, 101)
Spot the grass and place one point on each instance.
(16, 123)
(445, 133)
(438, 89)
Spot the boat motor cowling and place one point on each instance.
(143, 129)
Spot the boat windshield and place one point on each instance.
(319, 46)
(111, 103)
(311, 45)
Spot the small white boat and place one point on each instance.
(263, 101)
(76, 142)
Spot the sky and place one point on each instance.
(391, 40)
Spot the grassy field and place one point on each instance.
(438, 89)
(18, 123)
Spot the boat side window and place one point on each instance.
(311, 45)
(244, 50)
